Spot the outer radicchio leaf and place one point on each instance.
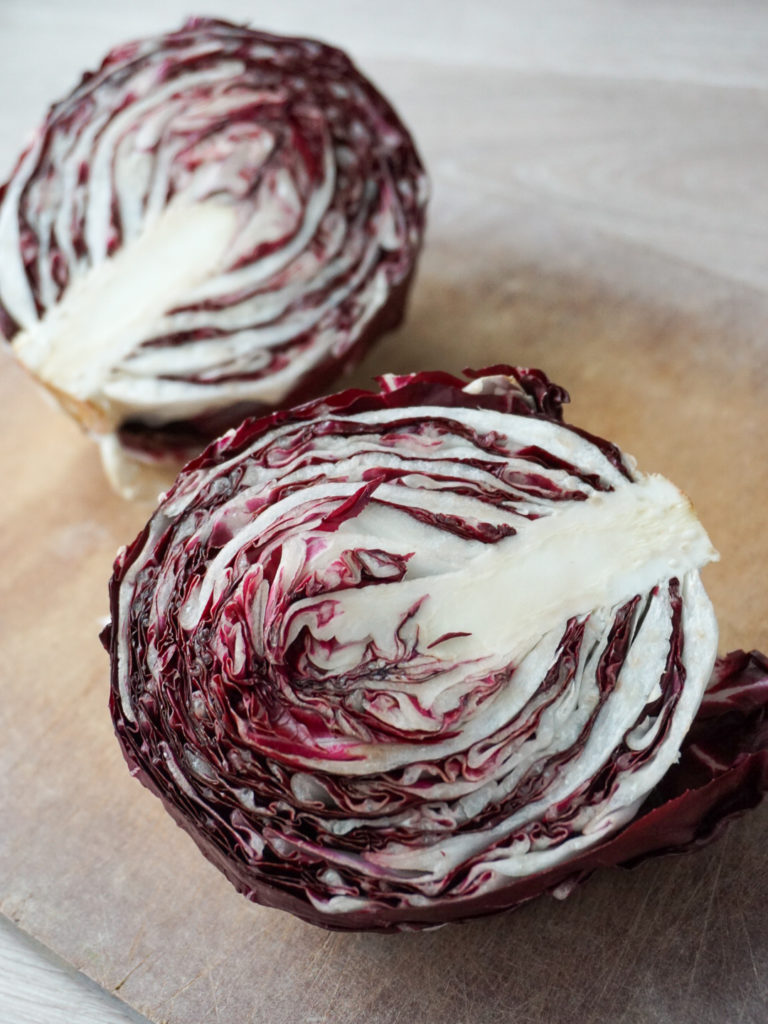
(216, 222)
(404, 657)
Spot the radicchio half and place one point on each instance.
(217, 221)
(400, 658)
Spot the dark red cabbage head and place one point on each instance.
(215, 222)
(400, 658)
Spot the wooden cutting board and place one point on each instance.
(610, 231)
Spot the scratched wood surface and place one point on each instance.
(599, 210)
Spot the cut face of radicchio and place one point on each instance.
(215, 222)
(403, 658)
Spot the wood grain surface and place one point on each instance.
(599, 210)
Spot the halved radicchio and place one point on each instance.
(216, 222)
(402, 658)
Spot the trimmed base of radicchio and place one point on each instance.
(722, 772)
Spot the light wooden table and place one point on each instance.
(601, 209)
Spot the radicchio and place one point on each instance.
(400, 658)
(215, 222)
